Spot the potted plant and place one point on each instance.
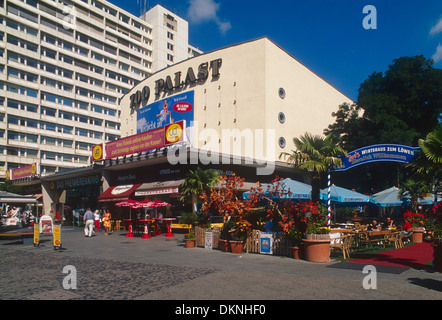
(436, 217)
(225, 236)
(239, 236)
(188, 218)
(189, 240)
(295, 237)
(317, 235)
(418, 221)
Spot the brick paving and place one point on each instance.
(118, 268)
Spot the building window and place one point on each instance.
(281, 142)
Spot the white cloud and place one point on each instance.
(437, 56)
(437, 28)
(207, 10)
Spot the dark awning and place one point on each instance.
(117, 193)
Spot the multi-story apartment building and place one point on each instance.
(64, 65)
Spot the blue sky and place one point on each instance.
(326, 36)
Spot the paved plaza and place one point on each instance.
(115, 267)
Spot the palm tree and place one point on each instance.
(197, 182)
(315, 154)
(429, 160)
(411, 188)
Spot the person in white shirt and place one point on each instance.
(89, 222)
(97, 220)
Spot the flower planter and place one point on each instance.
(437, 257)
(317, 250)
(236, 246)
(224, 245)
(189, 243)
(417, 236)
(296, 253)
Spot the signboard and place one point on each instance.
(166, 113)
(98, 152)
(157, 191)
(57, 236)
(22, 172)
(376, 153)
(208, 240)
(46, 225)
(149, 140)
(36, 235)
(266, 243)
(137, 143)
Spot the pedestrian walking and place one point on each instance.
(89, 222)
(97, 220)
(106, 222)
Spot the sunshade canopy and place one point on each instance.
(342, 196)
(299, 190)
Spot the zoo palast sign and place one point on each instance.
(168, 85)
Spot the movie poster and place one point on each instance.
(166, 111)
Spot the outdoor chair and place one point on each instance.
(364, 239)
(395, 239)
(344, 244)
(405, 237)
(119, 226)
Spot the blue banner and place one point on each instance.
(378, 153)
(166, 111)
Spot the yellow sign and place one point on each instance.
(97, 152)
(36, 235)
(173, 133)
(57, 235)
(34, 168)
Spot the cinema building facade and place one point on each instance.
(234, 110)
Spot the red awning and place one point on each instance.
(117, 193)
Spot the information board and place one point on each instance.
(266, 243)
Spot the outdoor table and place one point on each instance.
(169, 233)
(376, 235)
(130, 234)
(146, 234)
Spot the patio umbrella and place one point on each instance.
(151, 204)
(346, 197)
(298, 189)
(128, 203)
(390, 198)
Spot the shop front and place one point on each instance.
(67, 195)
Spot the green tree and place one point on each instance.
(412, 188)
(398, 106)
(197, 182)
(404, 103)
(428, 162)
(315, 154)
